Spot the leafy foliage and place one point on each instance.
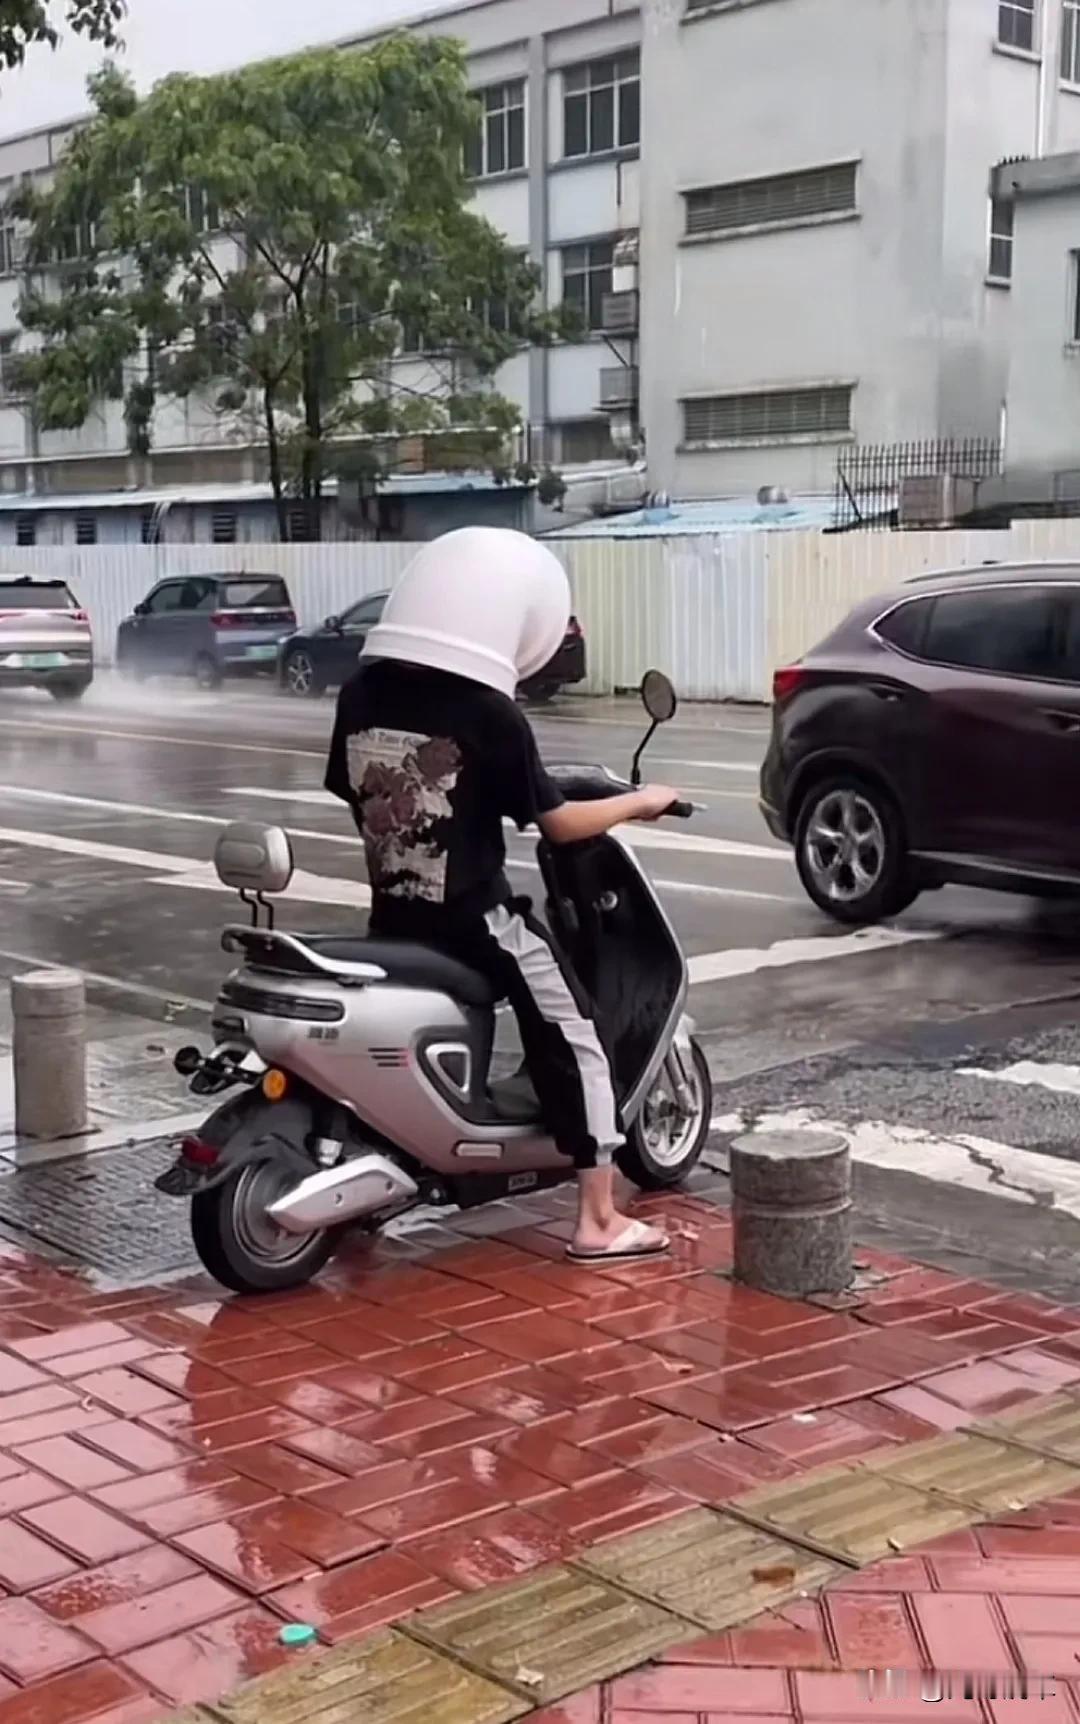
(24, 23)
(266, 242)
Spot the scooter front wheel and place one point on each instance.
(240, 1246)
(666, 1142)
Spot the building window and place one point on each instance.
(1016, 24)
(8, 345)
(583, 440)
(85, 528)
(11, 249)
(199, 209)
(1074, 299)
(498, 144)
(586, 272)
(1070, 41)
(779, 201)
(1002, 216)
(26, 530)
(148, 527)
(602, 105)
(77, 243)
(769, 416)
(223, 527)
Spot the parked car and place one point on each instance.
(207, 626)
(311, 661)
(45, 638)
(934, 737)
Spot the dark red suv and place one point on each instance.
(934, 737)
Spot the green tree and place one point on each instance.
(266, 241)
(23, 23)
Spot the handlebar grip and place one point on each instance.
(681, 810)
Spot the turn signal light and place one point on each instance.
(200, 1154)
(274, 1085)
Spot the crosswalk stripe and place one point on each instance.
(1031, 1074)
(973, 1163)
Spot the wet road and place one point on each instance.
(109, 813)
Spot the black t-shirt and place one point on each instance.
(431, 764)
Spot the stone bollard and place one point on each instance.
(791, 1209)
(49, 1054)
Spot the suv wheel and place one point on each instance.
(207, 671)
(851, 853)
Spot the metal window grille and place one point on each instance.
(223, 527)
(775, 413)
(774, 201)
(8, 345)
(1016, 23)
(870, 475)
(497, 145)
(12, 249)
(602, 105)
(85, 528)
(587, 279)
(26, 530)
(1002, 216)
(1070, 41)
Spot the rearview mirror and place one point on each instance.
(658, 696)
(142, 610)
(251, 857)
(333, 625)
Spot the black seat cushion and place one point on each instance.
(411, 965)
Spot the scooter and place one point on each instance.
(361, 1068)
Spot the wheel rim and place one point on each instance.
(299, 674)
(845, 846)
(260, 1237)
(669, 1130)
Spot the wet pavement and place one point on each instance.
(543, 1475)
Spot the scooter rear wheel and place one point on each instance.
(241, 1247)
(665, 1144)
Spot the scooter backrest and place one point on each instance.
(254, 858)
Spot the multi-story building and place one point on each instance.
(776, 217)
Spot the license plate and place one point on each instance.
(261, 651)
(43, 660)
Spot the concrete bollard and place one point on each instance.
(791, 1209)
(49, 1054)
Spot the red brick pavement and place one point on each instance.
(181, 1474)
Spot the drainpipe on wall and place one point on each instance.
(1048, 11)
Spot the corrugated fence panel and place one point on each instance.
(622, 594)
(110, 580)
(718, 594)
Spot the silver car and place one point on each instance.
(45, 638)
(207, 626)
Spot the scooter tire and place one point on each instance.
(636, 1160)
(225, 1256)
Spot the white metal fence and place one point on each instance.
(718, 613)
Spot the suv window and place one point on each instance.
(167, 598)
(905, 627)
(1010, 630)
(366, 614)
(35, 596)
(1070, 598)
(262, 592)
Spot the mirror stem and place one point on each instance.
(635, 771)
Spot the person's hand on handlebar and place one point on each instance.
(656, 800)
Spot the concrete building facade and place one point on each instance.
(774, 215)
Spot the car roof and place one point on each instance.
(990, 574)
(31, 581)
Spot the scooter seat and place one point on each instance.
(409, 965)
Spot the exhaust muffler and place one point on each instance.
(336, 1195)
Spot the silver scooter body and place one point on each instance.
(364, 1065)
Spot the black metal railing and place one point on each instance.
(869, 476)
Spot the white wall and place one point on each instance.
(1044, 382)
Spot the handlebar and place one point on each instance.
(681, 811)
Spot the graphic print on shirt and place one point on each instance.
(403, 783)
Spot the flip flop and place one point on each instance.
(634, 1242)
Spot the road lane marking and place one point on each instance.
(1064, 1080)
(708, 765)
(216, 743)
(143, 810)
(723, 966)
(972, 1163)
(637, 837)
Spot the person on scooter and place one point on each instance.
(432, 753)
